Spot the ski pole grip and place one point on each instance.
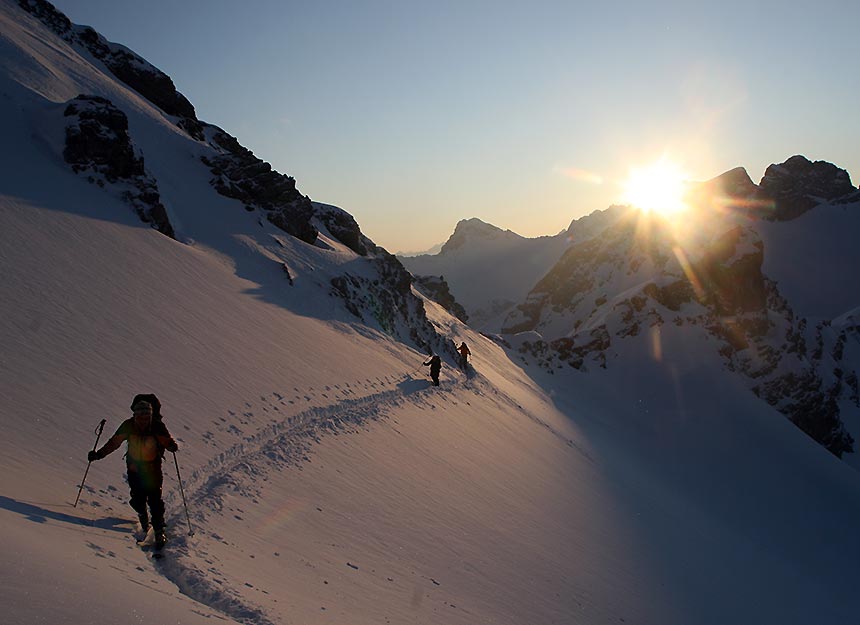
(99, 430)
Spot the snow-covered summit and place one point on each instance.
(707, 271)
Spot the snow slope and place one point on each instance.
(326, 480)
(814, 259)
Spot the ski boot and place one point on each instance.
(140, 535)
(160, 538)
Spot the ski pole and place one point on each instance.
(182, 492)
(98, 431)
(411, 373)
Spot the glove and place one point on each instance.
(172, 448)
(94, 455)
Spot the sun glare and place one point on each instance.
(659, 188)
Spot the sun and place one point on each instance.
(658, 188)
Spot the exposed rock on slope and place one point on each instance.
(436, 288)
(377, 289)
(240, 175)
(98, 145)
(128, 67)
(797, 185)
(389, 302)
(642, 273)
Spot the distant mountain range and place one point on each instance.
(763, 275)
(489, 269)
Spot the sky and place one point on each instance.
(414, 115)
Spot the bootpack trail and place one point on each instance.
(286, 443)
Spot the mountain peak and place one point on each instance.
(799, 184)
(471, 230)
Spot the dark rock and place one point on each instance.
(241, 175)
(389, 303)
(732, 280)
(797, 185)
(343, 227)
(98, 145)
(97, 138)
(722, 289)
(672, 296)
(128, 67)
(435, 288)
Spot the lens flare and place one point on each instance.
(659, 188)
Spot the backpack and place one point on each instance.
(156, 412)
(153, 401)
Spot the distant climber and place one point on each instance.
(147, 437)
(464, 355)
(435, 364)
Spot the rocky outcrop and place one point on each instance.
(97, 144)
(343, 227)
(435, 288)
(128, 67)
(634, 279)
(97, 139)
(800, 371)
(791, 188)
(389, 303)
(240, 175)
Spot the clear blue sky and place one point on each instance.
(414, 115)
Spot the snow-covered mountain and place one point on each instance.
(326, 481)
(731, 270)
(488, 269)
(102, 135)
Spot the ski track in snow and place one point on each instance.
(285, 441)
(278, 445)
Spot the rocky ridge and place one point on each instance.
(798, 185)
(437, 289)
(98, 145)
(641, 274)
(128, 67)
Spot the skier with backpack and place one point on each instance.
(464, 354)
(435, 364)
(147, 439)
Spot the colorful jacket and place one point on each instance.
(144, 445)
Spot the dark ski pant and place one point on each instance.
(144, 481)
(434, 374)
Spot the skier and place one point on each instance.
(464, 354)
(435, 364)
(147, 438)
